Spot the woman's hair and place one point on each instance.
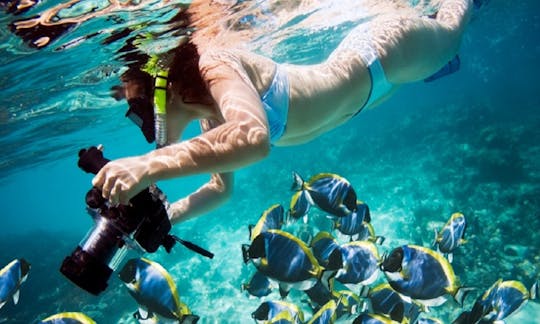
(197, 22)
(185, 75)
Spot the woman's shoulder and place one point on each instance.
(255, 68)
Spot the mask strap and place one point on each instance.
(160, 107)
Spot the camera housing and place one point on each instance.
(142, 225)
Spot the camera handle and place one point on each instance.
(172, 239)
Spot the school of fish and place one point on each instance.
(344, 272)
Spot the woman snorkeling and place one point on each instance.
(247, 102)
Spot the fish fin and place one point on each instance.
(379, 240)
(283, 290)
(189, 319)
(335, 260)
(397, 312)
(143, 313)
(250, 229)
(244, 286)
(409, 300)
(245, 253)
(435, 238)
(364, 291)
(2, 304)
(535, 290)
(298, 182)
(450, 257)
(16, 297)
(461, 293)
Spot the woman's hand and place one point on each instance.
(121, 179)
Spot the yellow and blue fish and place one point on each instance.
(329, 192)
(258, 286)
(300, 206)
(386, 301)
(278, 311)
(325, 315)
(68, 318)
(354, 224)
(451, 235)
(348, 303)
(272, 218)
(12, 276)
(319, 295)
(501, 300)
(285, 258)
(155, 291)
(325, 248)
(360, 263)
(421, 274)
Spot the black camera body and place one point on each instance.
(143, 224)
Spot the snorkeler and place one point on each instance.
(246, 102)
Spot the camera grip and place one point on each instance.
(91, 160)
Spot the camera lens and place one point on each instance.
(86, 271)
(88, 266)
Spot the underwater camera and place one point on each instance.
(143, 224)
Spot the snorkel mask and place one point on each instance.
(150, 117)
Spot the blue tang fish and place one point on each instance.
(368, 318)
(12, 277)
(353, 224)
(273, 312)
(300, 205)
(319, 295)
(385, 300)
(326, 248)
(154, 290)
(68, 318)
(501, 300)
(258, 286)
(451, 235)
(348, 303)
(272, 218)
(325, 315)
(360, 263)
(422, 274)
(285, 258)
(329, 192)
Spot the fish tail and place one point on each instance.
(461, 293)
(298, 182)
(378, 240)
(435, 238)
(189, 319)
(245, 253)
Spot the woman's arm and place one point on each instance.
(208, 197)
(242, 139)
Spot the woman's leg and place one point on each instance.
(454, 14)
(413, 48)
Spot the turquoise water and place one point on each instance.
(469, 142)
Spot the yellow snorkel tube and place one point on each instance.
(160, 106)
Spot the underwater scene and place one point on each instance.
(444, 176)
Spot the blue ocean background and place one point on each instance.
(468, 142)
